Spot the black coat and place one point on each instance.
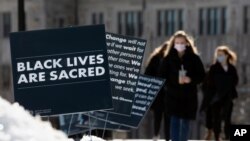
(181, 100)
(220, 85)
(153, 69)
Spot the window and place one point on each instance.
(97, 18)
(246, 17)
(130, 20)
(93, 18)
(180, 20)
(168, 21)
(101, 21)
(120, 23)
(223, 20)
(140, 23)
(212, 21)
(6, 24)
(201, 21)
(171, 22)
(208, 21)
(159, 22)
(130, 23)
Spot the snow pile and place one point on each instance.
(91, 138)
(16, 124)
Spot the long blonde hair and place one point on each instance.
(159, 50)
(232, 57)
(183, 34)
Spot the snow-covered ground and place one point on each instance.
(16, 124)
(91, 138)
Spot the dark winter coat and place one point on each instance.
(153, 69)
(220, 85)
(181, 100)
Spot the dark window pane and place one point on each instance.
(159, 24)
(127, 32)
(6, 24)
(201, 23)
(208, 21)
(172, 22)
(132, 23)
(212, 19)
(215, 21)
(129, 23)
(101, 19)
(245, 18)
(140, 23)
(120, 23)
(223, 20)
(180, 19)
(166, 23)
(93, 18)
(170, 26)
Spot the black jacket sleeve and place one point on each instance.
(236, 78)
(235, 82)
(152, 66)
(199, 74)
(208, 90)
(165, 72)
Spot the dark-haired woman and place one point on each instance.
(153, 69)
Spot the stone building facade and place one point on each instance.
(210, 23)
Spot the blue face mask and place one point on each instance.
(221, 58)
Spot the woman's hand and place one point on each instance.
(181, 80)
(186, 79)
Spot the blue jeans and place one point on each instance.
(179, 129)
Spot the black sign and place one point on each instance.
(145, 93)
(125, 55)
(124, 72)
(61, 71)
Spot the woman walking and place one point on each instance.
(183, 70)
(220, 92)
(153, 69)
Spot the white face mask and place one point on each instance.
(180, 47)
(221, 58)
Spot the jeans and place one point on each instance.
(179, 129)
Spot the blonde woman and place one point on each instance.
(221, 83)
(183, 70)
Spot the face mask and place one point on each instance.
(221, 58)
(180, 47)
